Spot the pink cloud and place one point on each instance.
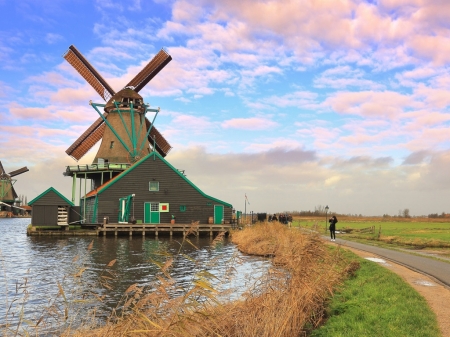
(184, 11)
(435, 98)
(435, 48)
(51, 113)
(19, 111)
(72, 95)
(370, 103)
(425, 118)
(249, 123)
(193, 123)
(428, 139)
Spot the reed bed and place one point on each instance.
(289, 300)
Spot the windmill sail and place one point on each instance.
(85, 69)
(88, 139)
(157, 139)
(156, 64)
(19, 171)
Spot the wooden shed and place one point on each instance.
(51, 208)
(153, 191)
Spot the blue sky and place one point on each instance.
(296, 103)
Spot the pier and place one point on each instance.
(157, 229)
(131, 230)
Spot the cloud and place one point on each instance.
(417, 157)
(373, 104)
(52, 38)
(435, 48)
(342, 77)
(300, 180)
(192, 123)
(254, 123)
(434, 98)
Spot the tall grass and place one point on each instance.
(287, 301)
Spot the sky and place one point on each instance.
(296, 104)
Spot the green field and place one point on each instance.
(406, 233)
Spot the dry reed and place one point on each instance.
(288, 301)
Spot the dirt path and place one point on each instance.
(437, 295)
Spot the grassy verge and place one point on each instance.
(376, 302)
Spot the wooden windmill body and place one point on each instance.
(125, 132)
(8, 194)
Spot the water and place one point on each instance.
(31, 267)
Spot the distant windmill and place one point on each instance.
(7, 193)
(123, 127)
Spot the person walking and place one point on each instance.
(333, 221)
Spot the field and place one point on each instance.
(426, 235)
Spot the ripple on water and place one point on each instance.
(45, 261)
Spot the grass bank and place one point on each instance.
(376, 302)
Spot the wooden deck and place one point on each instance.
(157, 229)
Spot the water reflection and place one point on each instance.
(45, 261)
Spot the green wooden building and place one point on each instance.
(51, 208)
(152, 191)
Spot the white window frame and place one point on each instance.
(150, 186)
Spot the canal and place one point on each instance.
(34, 269)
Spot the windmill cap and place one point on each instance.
(125, 95)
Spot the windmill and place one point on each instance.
(7, 193)
(124, 129)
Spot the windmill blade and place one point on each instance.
(162, 145)
(8, 205)
(19, 171)
(2, 170)
(88, 139)
(150, 70)
(85, 69)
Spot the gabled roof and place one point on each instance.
(51, 189)
(111, 182)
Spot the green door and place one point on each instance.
(151, 212)
(218, 214)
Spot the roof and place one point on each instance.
(111, 182)
(51, 189)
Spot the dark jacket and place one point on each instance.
(333, 222)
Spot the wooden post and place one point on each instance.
(156, 231)
(143, 231)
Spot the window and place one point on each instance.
(154, 186)
(182, 208)
(111, 145)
